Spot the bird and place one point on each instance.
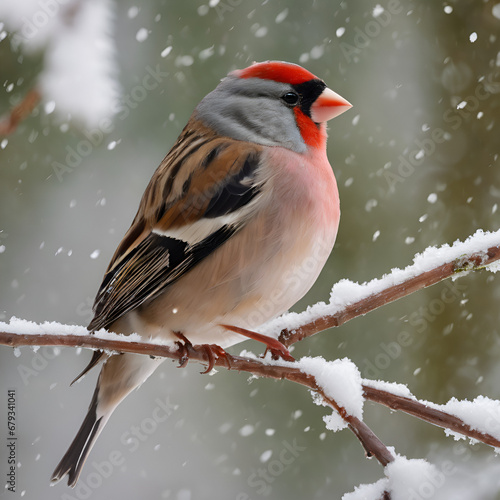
(232, 230)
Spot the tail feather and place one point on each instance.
(73, 460)
(119, 376)
(97, 356)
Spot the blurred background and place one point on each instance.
(417, 164)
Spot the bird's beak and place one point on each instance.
(328, 105)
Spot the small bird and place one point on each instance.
(233, 229)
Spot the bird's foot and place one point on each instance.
(277, 349)
(213, 352)
(184, 346)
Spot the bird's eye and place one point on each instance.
(291, 98)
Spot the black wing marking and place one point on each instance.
(213, 179)
(156, 263)
(239, 190)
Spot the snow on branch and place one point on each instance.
(404, 479)
(310, 372)
(336, 384)
(79, 59)
(22, 333)
(349, 300)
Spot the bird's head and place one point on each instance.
(274, 104)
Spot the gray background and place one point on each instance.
(405, 72)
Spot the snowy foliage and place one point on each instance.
(78, 76)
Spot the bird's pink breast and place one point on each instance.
(265, 268)
(305, 185)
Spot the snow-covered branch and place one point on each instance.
(336, 384)
(78, 59)
(111, 342)
(314, 373)
(349, 300)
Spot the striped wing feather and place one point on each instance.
(204, 176)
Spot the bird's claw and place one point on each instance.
(184, 346)
(279, 353)
(277, 349)
(213, 352)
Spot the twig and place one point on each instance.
(370, 442)
(427, 413)
(9, 124)
(258, 367)
(472, 262)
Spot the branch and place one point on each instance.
(411, 282)
(258, 367)
(428, 413)
(266, 368)
(433, 266)
(9, 123)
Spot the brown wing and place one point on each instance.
(203, 177)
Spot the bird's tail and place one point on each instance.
(119, 375)
(73, 460)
